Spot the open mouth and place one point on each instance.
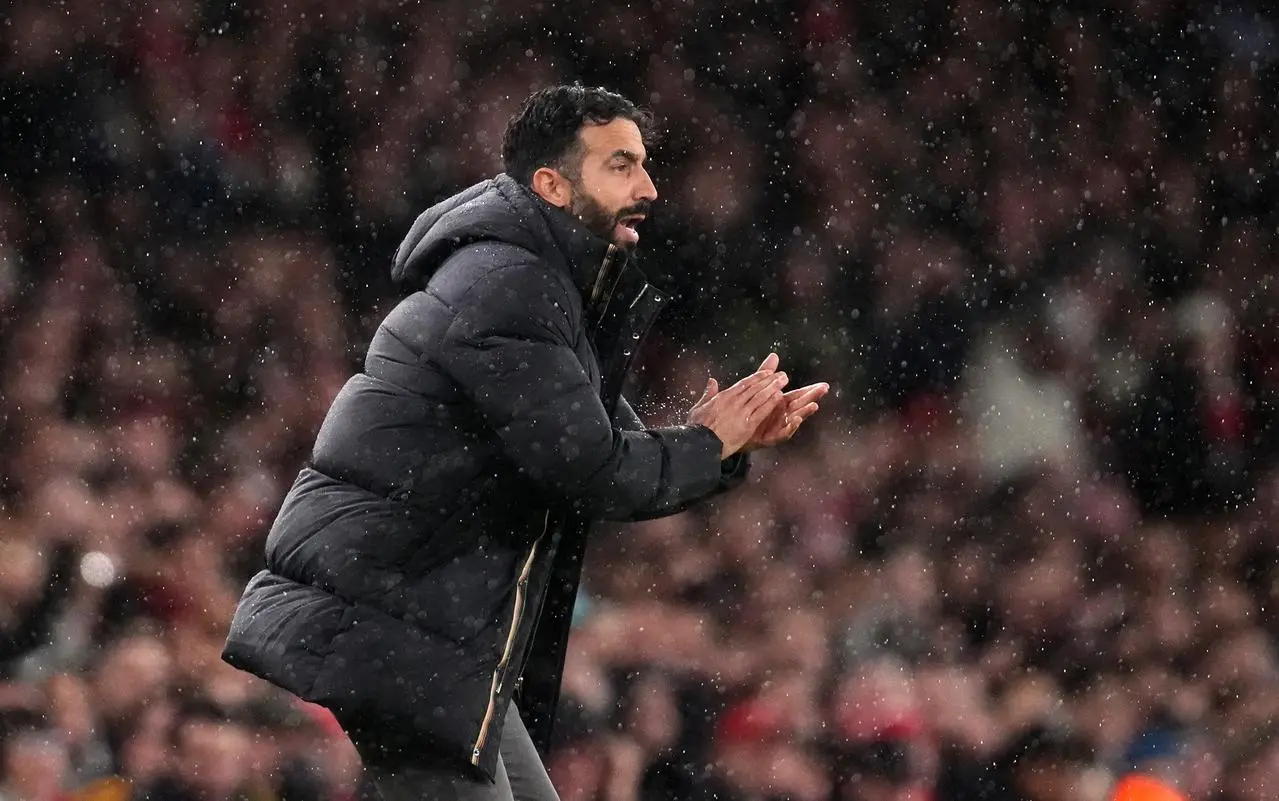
(626, 227)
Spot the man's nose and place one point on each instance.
(646, 190)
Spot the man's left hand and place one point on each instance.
(796, 407)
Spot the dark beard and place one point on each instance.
(599, 220)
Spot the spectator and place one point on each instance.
(35, 764)
(210, 758)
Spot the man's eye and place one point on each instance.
(623, 167)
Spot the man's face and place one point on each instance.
(613, 191)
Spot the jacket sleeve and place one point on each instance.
(509, 350)
(733, 470)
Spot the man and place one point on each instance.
(421, 572)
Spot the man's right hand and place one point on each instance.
(735, 413)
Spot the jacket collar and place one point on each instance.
(583, 252)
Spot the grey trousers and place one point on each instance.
(520, 775)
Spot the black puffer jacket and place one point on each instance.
(445, 507)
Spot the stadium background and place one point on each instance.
(1030, 548)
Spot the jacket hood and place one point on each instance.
(497, 209)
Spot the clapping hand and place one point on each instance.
(781, 424)
(754, 413)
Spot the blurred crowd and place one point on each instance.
(1029, 551)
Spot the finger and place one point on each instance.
(812, 392)
(806, 412)
(820, 388)
(764, 413)
(712, 389)
(794, 421)
(767, 399)
(753, 383)
(776, 384)
(783, 430)
(769, 364)
(796, 418)
(762, 406)
(793, 405)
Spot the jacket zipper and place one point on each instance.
(521, 589)
(603, 275)
(601, 292)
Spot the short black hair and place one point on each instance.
(543, 133)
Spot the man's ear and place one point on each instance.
(553, 187)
